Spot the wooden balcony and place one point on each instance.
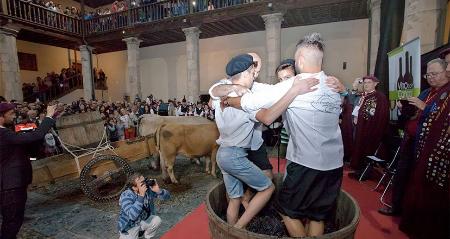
(162, 22)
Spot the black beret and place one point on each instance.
(287, 62)
(239, 64)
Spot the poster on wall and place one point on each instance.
(404, 71)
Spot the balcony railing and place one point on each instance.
(25, 11)
(154, 12)
(31, 13)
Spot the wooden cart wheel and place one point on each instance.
(105, 177)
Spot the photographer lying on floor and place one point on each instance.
(137, 211)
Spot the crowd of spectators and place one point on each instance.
(173, 8)
(55, 85)
(153, 10)
(52, 85)
(71, 11)
(121, 117)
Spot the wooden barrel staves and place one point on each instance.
(81, 129)
(346, 218)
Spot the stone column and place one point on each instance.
(193, 63)
(422, 20)
(273, 44)
(133, 84)
(86, 71)
(375, 12)
(10, 83)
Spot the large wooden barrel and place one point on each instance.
(81, 129)
(346, 219)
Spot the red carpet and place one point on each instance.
(372, 225)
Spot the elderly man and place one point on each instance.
(425, 208)
(372, 116)
(315, 149)
(406, 154)
(15, 170)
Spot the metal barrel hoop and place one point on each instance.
(91, 191)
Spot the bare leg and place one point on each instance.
(316, 228)
(256, 204)
(294, 226)
(246, 198)
(213, 162)
(233, 210)
(248, 193)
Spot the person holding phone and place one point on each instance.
(15, 170)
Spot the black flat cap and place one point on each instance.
(239, 64)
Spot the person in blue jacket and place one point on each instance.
(137, 210)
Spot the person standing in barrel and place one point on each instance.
(315, 150)
(15, 167)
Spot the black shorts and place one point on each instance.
(259, 158)
(309, 193)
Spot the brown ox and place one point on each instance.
(148, 124)
(189, 140)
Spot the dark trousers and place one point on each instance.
(403, 172)
(12, 210)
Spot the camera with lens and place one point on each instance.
(149, 182)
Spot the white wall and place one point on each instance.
(344, 42)
(163, 67)
(114, 65)
(49, 58)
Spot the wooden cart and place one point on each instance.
(102, 167)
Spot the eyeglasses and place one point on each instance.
(431, 74)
